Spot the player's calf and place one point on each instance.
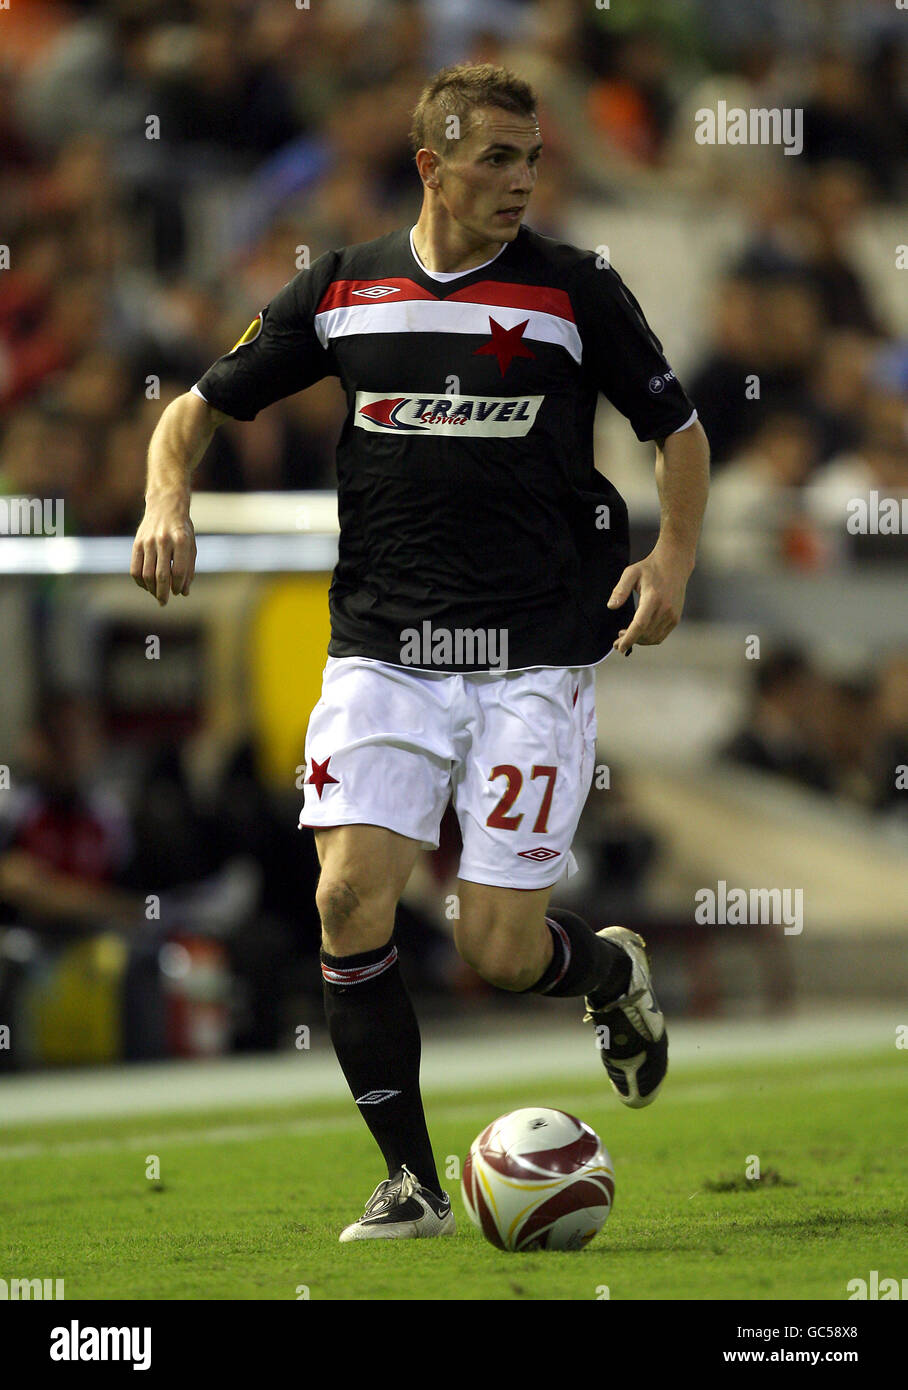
(611, 969)
(373, 1028)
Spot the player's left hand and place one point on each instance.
(660, 582)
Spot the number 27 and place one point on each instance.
(499, 819)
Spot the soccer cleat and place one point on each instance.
(400, 1208)
(634, 1043)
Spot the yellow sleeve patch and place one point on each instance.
(252, 332)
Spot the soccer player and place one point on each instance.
(482, 576)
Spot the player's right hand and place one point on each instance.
(164, 551)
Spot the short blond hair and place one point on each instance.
(458, 91)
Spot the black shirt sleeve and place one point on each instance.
(279, 354)
(622, 357)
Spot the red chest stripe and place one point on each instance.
(540, 299)
(342, 293)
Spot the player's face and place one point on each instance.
(487, 177)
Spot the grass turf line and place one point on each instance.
(250, 1202)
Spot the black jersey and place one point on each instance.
(467, 495)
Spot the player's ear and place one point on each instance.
(427, 164)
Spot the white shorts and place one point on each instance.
(515, 751)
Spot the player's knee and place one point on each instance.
(352, 918)
(338, 903)
(509, 974)
(499, 960)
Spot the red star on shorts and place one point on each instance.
(320, 775)
(505, 344)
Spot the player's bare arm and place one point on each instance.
(660, 580)
(164, 552)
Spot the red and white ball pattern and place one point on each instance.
(538, 1179)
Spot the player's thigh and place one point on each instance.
(501, 932)
(364, 870)
(379, 750)
(521, 787)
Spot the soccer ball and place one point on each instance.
(538, 1179)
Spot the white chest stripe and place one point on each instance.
(445, 316)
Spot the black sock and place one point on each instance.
(376, 1039)
(582, 962)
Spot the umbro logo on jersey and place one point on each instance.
(538, 855)
(377, 291)
(375, 1097)
(491, 417)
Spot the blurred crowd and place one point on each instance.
(94, 851)
(846, 736)
(179, 907)
(804, 392)
(164, 166)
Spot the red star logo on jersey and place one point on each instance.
(505, 344)
(320, 776)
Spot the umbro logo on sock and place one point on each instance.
(375, 1097)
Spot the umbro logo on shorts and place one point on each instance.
(539, 854)
(375, 1097)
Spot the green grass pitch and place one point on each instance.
(250, 1203)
